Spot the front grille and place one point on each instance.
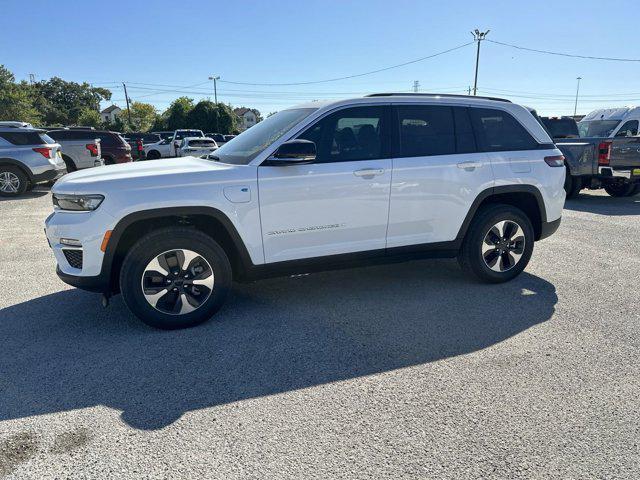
(74, 257)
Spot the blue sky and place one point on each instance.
(169, 45)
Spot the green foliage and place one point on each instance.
(62, 102)
(176, 114)
(89, 118)
(143, 116)
(16, 99)
(209, 117)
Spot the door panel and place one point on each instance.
(340, 203)
(323, 209)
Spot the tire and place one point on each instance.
(71, 167)
(636, 190)
(483, 225)
(108, 160)
(162, 247)
(153, 155)
(620, 189)
(572, 185)
(13, 181)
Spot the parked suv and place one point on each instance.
(382, 178)
(113, 148)
(27, 157)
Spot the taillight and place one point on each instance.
(555, 160)
(604, 153)
(93, 149)
(44, 151)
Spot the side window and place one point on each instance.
(465, 139)
(426, 130)
(22, 138)
(498, 131)
(350, 134)
(60, 135)
(629, 129)
(106, 140)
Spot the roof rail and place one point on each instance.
(446, 95)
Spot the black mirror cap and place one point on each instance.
(296, 149)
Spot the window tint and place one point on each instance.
(25, 138)
(108, 139)
(350, 134)
(465, 139)
(629, 129)
(59, 135)
(499, 131)
(426, 130)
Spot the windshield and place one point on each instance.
(597, 128)
(561, 127)
(248, 145)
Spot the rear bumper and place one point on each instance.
(48, 175)
(626, 173)
(549, 228)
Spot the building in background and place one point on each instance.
(248, 117)
(110, 113)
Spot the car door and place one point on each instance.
(437, 174)
(338, 204)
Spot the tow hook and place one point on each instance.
(104, 300)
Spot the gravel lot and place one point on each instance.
(401, 371)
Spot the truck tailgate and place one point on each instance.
(625, 153)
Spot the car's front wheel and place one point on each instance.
(175, 278)
(153, 155)
(498, 244)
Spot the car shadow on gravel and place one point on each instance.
(602, 205)
(64, 351)
(35, 193)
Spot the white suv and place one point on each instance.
(373, 179)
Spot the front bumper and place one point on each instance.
(549, 228)
(97, 283)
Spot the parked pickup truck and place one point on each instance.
(606, 155)
(77, 153)
(169, 147)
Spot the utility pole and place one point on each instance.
(478, 36)
(416, 86)
(126, 97)
(469, 91)
(215, 88)
(575, 107)
(32, 78)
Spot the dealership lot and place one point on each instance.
(402, 371)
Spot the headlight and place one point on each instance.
(79, 203)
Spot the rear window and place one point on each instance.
(597, 128)
(561, 127)
(498, 131)
(180, 134)
(26, 138)
(202, 143)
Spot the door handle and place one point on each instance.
(369, 172)
(469, 165)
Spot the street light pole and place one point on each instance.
(575, 106)
(478, 36)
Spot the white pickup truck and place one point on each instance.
(169, 147)
(77, 153)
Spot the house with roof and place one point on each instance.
(110, 113)
(247, 117)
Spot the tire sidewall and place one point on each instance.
(24, 180)
(153, 245)
(476, 239)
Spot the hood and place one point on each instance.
(143, 174)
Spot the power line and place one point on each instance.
(548, 52)
(352, 76)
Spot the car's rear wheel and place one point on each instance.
(498, 244)
(636, 190)
(13, 181)
(620, 189)
(108, 160)
(572, 185)
(175, 278)
(153, 155)
(71, 167)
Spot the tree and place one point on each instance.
(209, 117)
(176, 114)
(143, 116)
(16, 99)
(89, 118)
(62, 102)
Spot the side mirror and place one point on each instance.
(293, 152)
